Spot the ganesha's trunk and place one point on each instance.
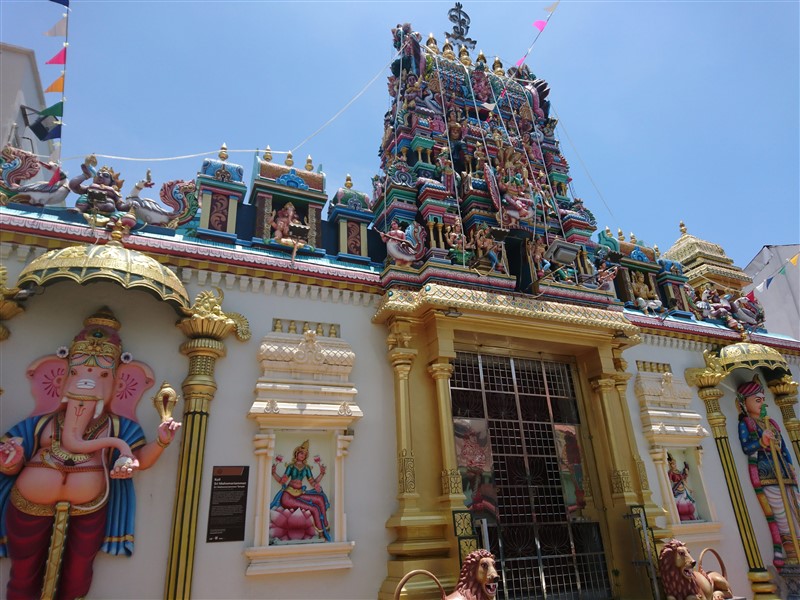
(78, 415)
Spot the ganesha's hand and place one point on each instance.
(166, 432)
(11, 455)
(124, 467)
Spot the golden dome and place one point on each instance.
(749, 356)
(108, 262)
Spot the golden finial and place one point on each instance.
(656, 250)
(683, 228)
(497, 67)
(348, 181)
(463, 56)
(620, 235)
(481, 57)
(608, 231)
(289, 160)
(223, 152)
(447, 51)
(277, 325)
(633, 238)
(431, 44)
(292, 327)
(268, 154)
(309, 164)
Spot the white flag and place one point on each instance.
(59, 29)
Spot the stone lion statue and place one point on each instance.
(682, 582)
(477, 581)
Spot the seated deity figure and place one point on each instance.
(69, 466)
(646, 300)
(771, 471)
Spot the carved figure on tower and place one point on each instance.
(407, 246)
(68, 466)
(102, 196)
(771, 471)
(687, 508)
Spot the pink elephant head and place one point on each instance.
(95, 366)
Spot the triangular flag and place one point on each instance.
(56, 175)
(53, 134)
(793, 260)
(768, 281)
(61, 2)
(60, 58)
(760, 287)
(57, 110)
(782, 271)
(59, 29)
(521, 60)
(751, 295)
(540, 25)
(489, 105)
(57, 85)
(502, 95)
(552, 8)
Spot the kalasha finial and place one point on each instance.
(463, 57)
(447, 51)
(608, 231)
(289, 159)
(481, 57)
(223, 151)
(497, 67)
(309, 163)
(683, 228)
(620, 235)
(348, 181)
(431, 44)
(656, 250)
(268, 154)
(633, 238)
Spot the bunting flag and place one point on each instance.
(793, 260)
(57, 110)
(56, 176)
(57, 85)
(751, 295)
(59, 29)
(768, 281)
(782, 271)
(540, 25)
(60, 58)
(761, 286)
(521, 60)
(54, 133)
(552, 8)
(61, 2)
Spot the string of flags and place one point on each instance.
(764, 285)
(539, 25)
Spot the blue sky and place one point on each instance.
(678, 110)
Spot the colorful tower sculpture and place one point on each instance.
(221, 192)
(351, 212)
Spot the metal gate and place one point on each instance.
(518, 445)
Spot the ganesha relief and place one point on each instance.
(65, 471)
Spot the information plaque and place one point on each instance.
(226, 514)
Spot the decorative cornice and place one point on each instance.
(410, 303)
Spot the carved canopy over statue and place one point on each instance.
(68, 466)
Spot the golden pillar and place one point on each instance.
(707, 381)
(422, 541)
(206, 327)
(785, 394)
(9, 307)
(452, 491)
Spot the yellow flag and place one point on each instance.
(57, 85)
(793, 260)
(551, 9)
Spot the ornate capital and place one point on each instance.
(441, 370)
(402, 359)
(603, 385)
(704, 378)
(785, 387)
(205, 319)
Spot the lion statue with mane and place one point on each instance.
(477, 581)
(682, 582)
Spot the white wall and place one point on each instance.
(53, 318)
(21, 86)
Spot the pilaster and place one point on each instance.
(785, 394)
(452, 491)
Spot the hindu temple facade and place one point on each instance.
(357, 385)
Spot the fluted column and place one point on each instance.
(707, 381)
(401, 360)
(785, 393)
(452, 491)
(206, 327)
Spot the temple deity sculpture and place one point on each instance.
(487, 246)
(102, 196)
(460, 247)
(407, 246)
(687, 507)
(771, 471)
(646, 299)
(68, 467)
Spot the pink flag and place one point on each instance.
(540, 25)
(56, 175)
(521, 60)
(59, 59)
